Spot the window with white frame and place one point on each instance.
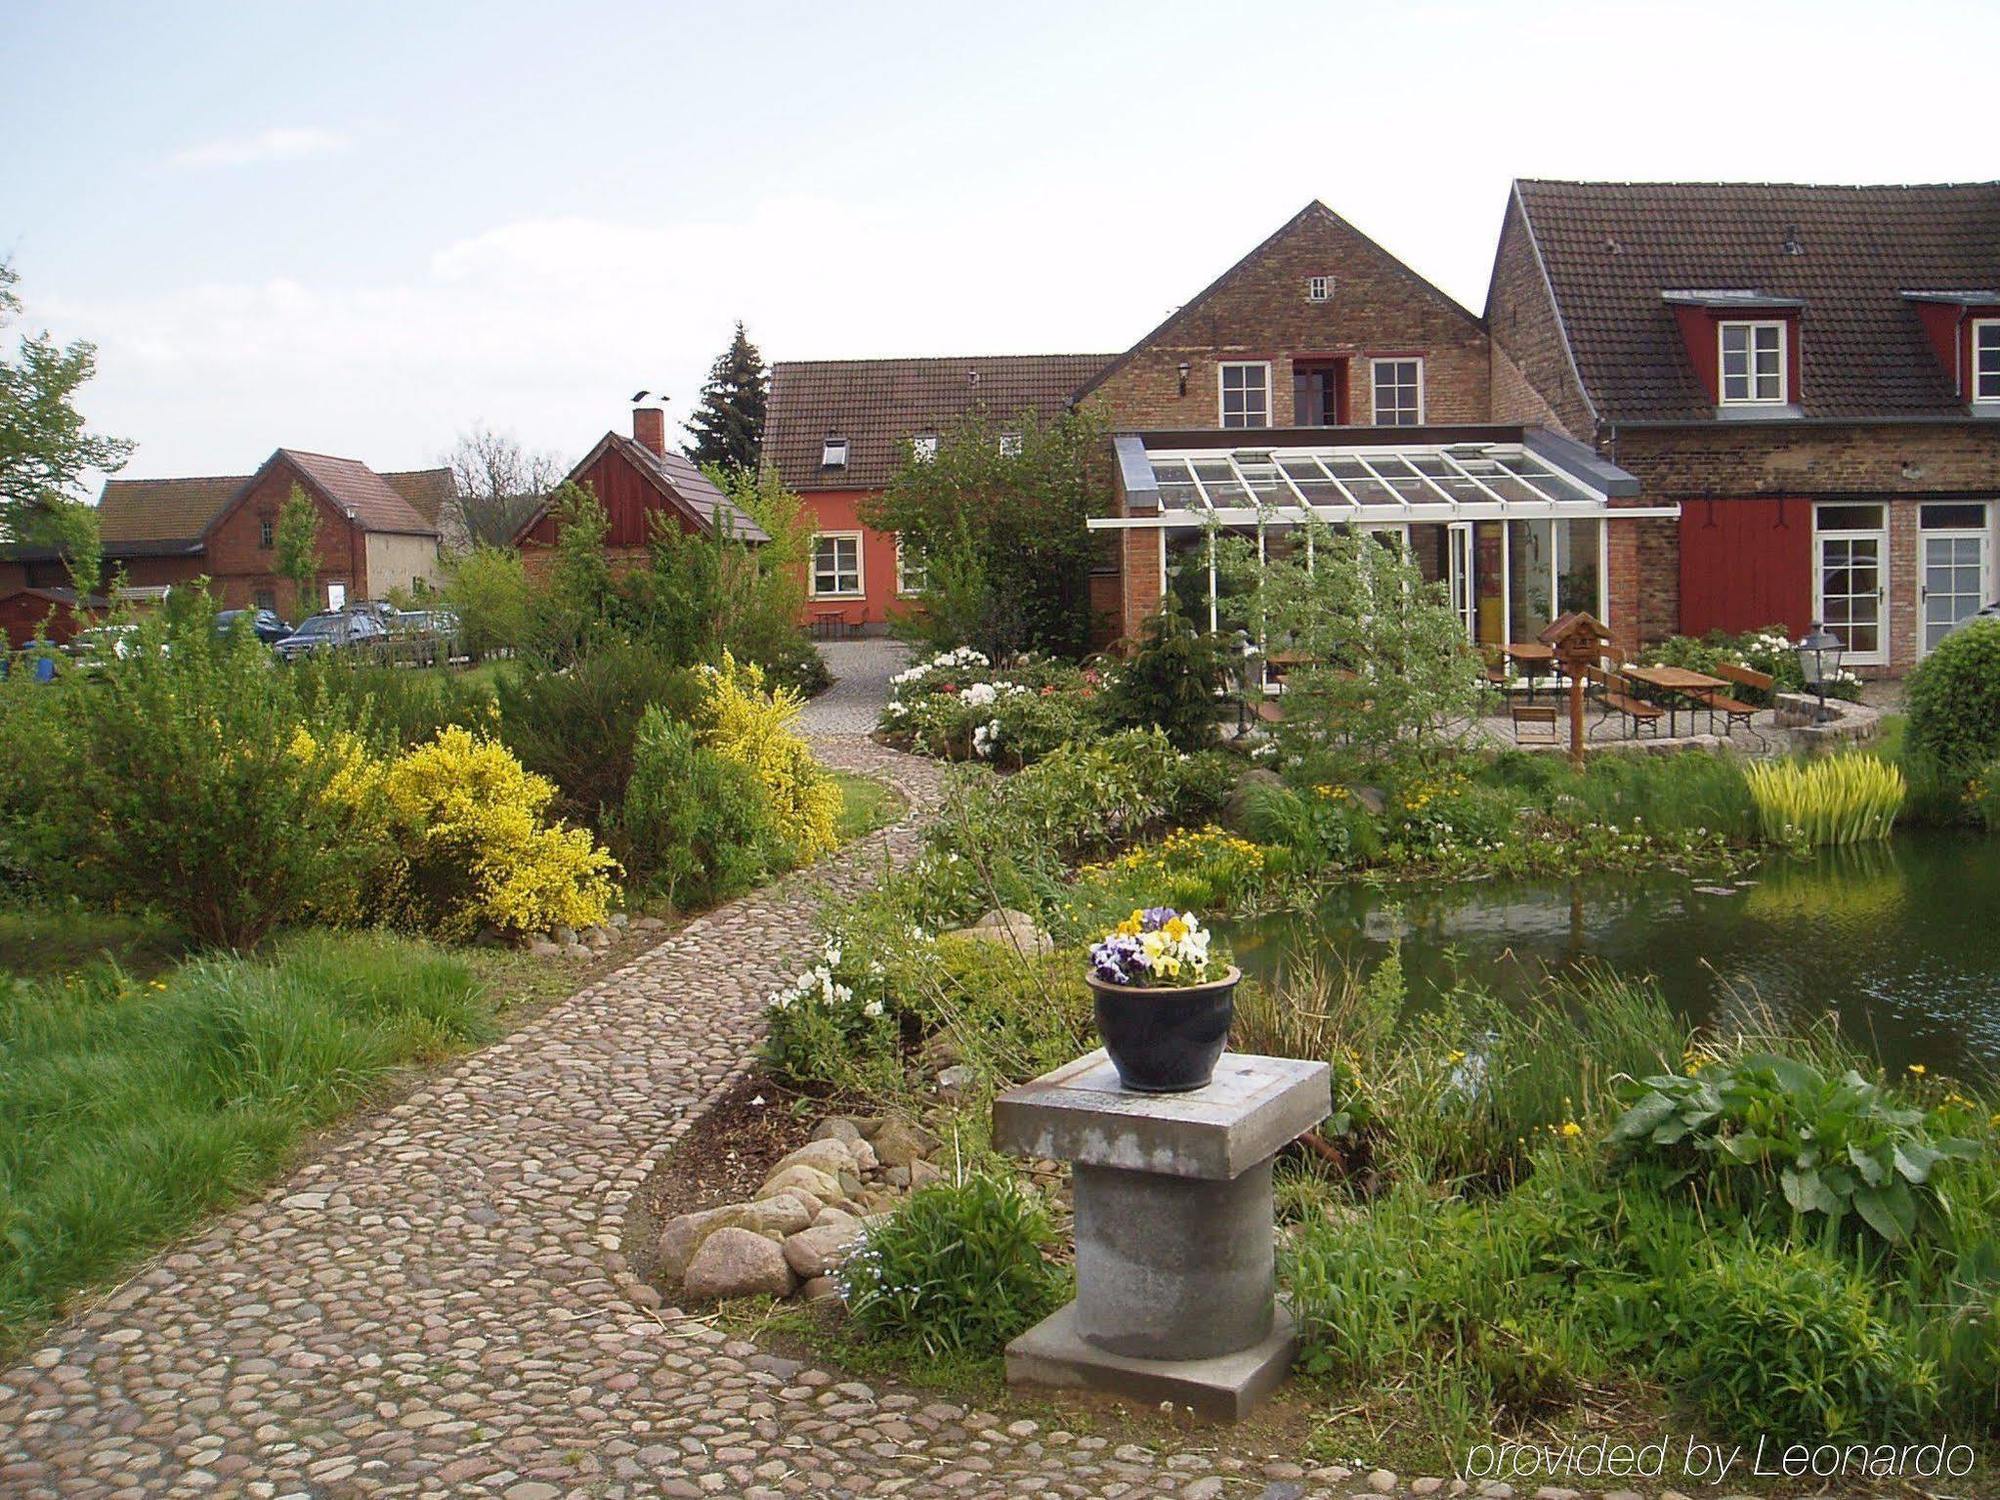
(1246, 395)
(1010, 444)
(836, 568)
(1319, 288)
(923, 447)
(913, 574)
(1399, 392)
(1753, 364)
(833, 453)
(1986, 359)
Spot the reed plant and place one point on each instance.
(1839, 799)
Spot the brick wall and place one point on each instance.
(1873, 460)
(1527, 340)
(240, 566)
(1259, 311)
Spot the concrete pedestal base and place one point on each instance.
(1222, 1389)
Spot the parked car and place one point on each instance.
(264, 624)
(94, 649)
(336, 630)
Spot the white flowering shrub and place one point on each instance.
(1769, 649)
(831, 1026)
(958, 706)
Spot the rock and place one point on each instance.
(896, 1176)
(542, 949)
(821, 1289)
(649, 924)
(898, 1143)
(598, 937)
(864, 1156)
(815, 1252)
(922, 1174)
(821, 1185)
(954, 1081)
(837, 1128)
(619, 919)
(1236, 807)
(737, 1263)
(1382, 1481)
(563, 937)
(575, 950)
(1371, 798)
(684, 1236)
(1013, 929)
(828, 1216)
(830, 1157)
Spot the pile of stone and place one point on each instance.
(814, 1207)
(585, 942)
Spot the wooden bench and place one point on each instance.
(1613, 698)
(1542, 716)
(1735, 710)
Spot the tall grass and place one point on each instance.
(1693, 790)
(128, 1108)
(1839, 799)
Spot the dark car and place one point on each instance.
(264, 624)
(334, 631)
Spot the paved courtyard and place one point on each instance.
(861, 671)
(438, 1306)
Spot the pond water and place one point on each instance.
(1900, 940)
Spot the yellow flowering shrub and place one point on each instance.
(476, 851)
(350, 781)
(743, 722)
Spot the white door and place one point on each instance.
(1851, 594)
(1954, 586)
(1458, 574)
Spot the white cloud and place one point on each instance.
(280, 143)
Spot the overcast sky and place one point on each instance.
(360, 228)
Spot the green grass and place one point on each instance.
(866, 804)
(40, 942)
(131, 1107)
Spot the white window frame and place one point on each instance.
(903, 587)
(1986, 395)
(860, 588)
(1010, 445)
(829, 448)
(924, 446)
(1375, 389)
(1880, 535)
(1751, 373)
(1221, 394)
(1982, 533)
(1319, 289)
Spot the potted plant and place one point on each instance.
(1164, 998)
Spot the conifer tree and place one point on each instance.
(728, 426)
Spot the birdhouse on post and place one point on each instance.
(1579, 641)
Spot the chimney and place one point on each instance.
(649, 428)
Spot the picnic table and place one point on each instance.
(1534, 659)
(1672, 684)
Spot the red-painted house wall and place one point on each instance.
(840, 510)
(1701, 332)
(1746, 563)
(630, 502)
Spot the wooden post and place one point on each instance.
(1576, 714)
(1576, 641)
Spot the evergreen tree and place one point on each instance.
(728, 426)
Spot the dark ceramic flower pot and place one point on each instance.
(1166, 1040)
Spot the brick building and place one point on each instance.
(377, 532)
(1811, 374)
(639, 484)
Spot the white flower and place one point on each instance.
(872, 1009)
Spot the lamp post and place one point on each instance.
(1819, 660)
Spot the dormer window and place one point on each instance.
(1753, 363)
(1986, 360)
(923, 447)
(833, 453)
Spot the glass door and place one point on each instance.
(1458, 575)
(1954, 559)
(1850, 592)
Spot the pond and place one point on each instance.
(1900, 940)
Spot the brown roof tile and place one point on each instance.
(1612, 248)
(878, 405)
(427, 490)
(162, 513)
(360, 491)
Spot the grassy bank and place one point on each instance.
(866, 804)
(131, 1107)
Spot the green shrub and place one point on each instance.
(695, 827)
(957, 706)
(489, 591)
(830, 1030)
(744, 722)
(959, 1268)
(392, 705)
(1788, 1342)
(579, 727)
(1171, 681)
(1954, 701)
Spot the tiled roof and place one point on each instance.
(427, 490)
(155, 514)
(692, 488)
(361, 492)
(878, 405)
(1611, 248)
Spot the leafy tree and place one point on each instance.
(488, 590)
(728, 425)
(296, 540)
(1000, 528)
(497, 483)
(575, 607)
(45, 448)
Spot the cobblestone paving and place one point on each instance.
(861, 671)
(437, 1306)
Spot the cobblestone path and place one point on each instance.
(861, 670)
(437, 1305)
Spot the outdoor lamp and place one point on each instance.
(1819, 659)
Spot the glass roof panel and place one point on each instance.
(1364, 486)
(1312, 482)
(1377, 481)
(1218, 476)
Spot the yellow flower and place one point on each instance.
(1918, 1069)
(1571, 1128)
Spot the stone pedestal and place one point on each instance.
(1174, 1264)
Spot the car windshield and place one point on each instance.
(321, 625)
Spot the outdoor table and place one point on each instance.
(1672, 684)
(1534, 660)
